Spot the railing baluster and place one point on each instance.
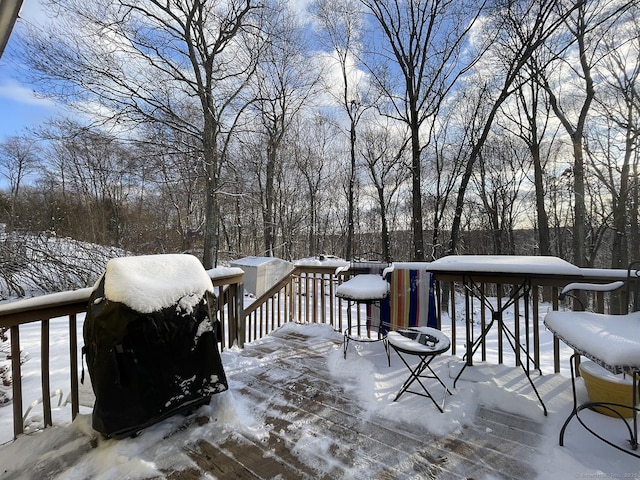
(483, 324)
(556, 341)
(299, 297)
(516, 330)
(288, 301)
(535, 291)
(452, 306)
(500, 329)
(238, 312)
(16, 374)
(332, 316)
(275, 321)
(315, 297)
(73, 364)
(44, 372)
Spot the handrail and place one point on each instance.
(305, 295)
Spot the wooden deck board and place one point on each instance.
(310, 403)
(316, 430)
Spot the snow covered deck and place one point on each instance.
(296, 407)
(296, 410)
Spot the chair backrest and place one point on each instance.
(633, 287)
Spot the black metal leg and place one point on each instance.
(386, 349)
(347, 332)
(353, 331)
(472, 348)
(575, 412)
(521, 292)
(512, 340)
(415, 374)
(345, 345)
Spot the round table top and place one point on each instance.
(426, 340)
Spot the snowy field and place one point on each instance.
(364, 372)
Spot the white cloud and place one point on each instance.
(301, 9)
(12, 90)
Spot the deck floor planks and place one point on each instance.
(310, 402)
(318, 431)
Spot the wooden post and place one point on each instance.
(239, 314)
(73, 365)
(44, 372)
(16, 376)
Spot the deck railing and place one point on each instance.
(306, 295)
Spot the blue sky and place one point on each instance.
(19, 108)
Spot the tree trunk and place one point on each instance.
(268, 216)
(209, 257)
(544, 237)
(416, 191)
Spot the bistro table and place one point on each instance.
(518, 271)
(426, 343)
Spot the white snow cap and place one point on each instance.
(364, 287)
(149, 283)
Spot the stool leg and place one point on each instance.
(410, 379)
(386, 349)
(435, 375)
(345, 345)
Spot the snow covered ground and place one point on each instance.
(362, 373)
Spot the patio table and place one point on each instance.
(519, 271)
(426, 343)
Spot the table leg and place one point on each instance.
(522, 291)
(416, 373)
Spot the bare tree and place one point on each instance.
(586, 26)
(528, 119)
(283, 83)
(341, 23)
(383, 150)
(313, 150)
(515, 30)
(179, 182)
(419, 62)
(444, 162)
(618, 106)
(18, 159)
(99, 172)
(140, 62)
(498, 181)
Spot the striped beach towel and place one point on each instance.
(411, 301)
